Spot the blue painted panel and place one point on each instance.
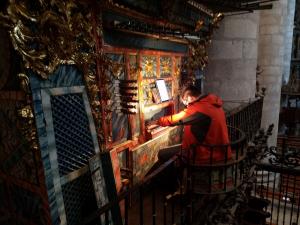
(120, 125)
(64, 76)
(57, 101)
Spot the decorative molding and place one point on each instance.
(288, 157)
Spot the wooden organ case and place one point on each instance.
(135, 98)
(141, 57)
(135, 101)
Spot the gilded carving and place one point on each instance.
(63, 32)
(149, 66)
(177, 66)
(26, 118)
(96, 107)
(165, 66)
(199, 57)
(134, 70)
(50, 33)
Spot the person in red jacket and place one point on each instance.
(205, 141)
(205, 128)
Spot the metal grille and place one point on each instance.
(79, 199)
(72, 134)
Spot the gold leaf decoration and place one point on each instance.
(199, 25)
(49, 33)
(24, 82)
(165, 65)
(149, 66)
(25, 114)
(198, 49)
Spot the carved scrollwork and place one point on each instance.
(198, 48)
(226, 212)
(95, 101)
(288, 157)
(25, 115)
(49, 33)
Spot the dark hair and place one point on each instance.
(191, 90)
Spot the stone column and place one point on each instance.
(231, 72)
(288, 39)
(272, 45)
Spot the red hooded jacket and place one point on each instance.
(204, 124)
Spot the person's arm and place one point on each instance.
(173, 120)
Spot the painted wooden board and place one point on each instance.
(144, 156)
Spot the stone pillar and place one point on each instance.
(272, 45)
(231, 72)
(288, 39)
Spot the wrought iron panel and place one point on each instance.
(68, 139)
(79, 199)
(63, 117)
(72, 133)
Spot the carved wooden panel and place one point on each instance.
(149, 66)
(144, 156)
(118, 121)
(165, 66)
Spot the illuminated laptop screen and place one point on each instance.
(162, 90)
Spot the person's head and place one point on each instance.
(190, 94)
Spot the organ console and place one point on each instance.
(164, 107)
(152, 128)
(146, 89)
(152, 131)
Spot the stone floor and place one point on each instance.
(283, 214)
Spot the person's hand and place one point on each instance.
(151, 122)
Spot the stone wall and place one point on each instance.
(231, 72)
(274, 57)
